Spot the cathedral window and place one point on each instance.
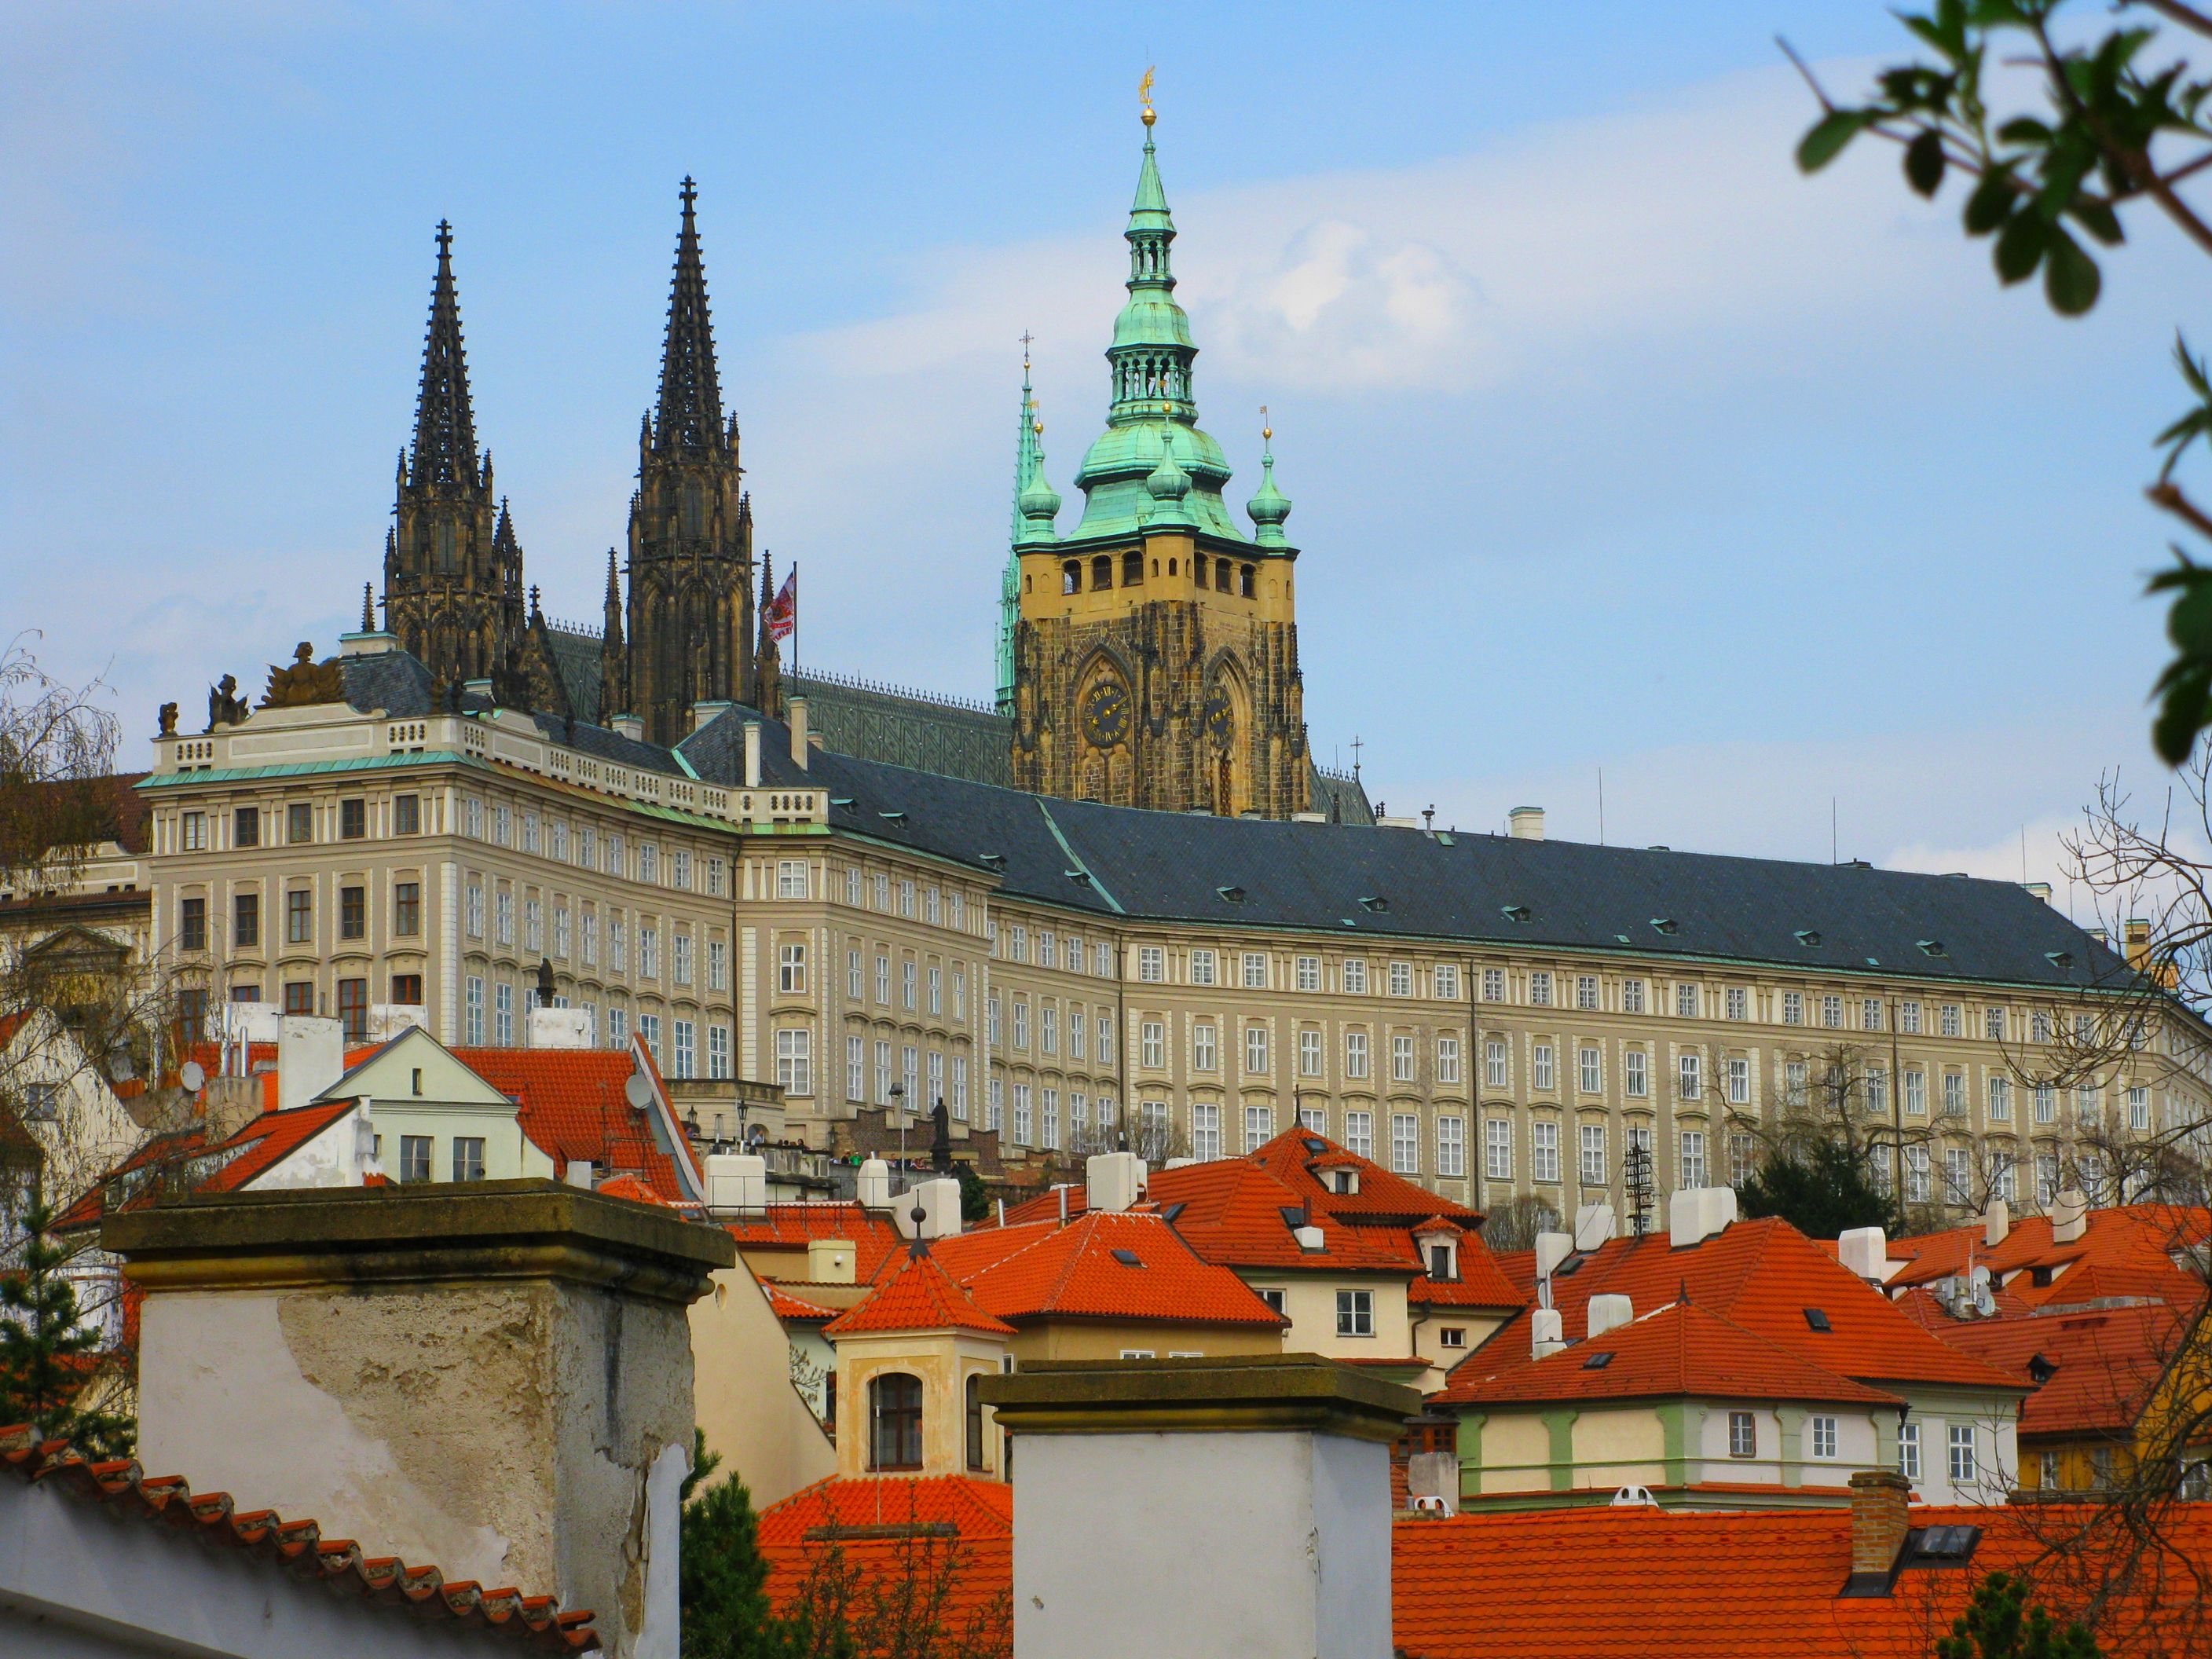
(694, 507)
(444, 550)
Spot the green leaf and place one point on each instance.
(2098, 219)
(1924, 162)
(2024, 130)
(2020, 247)
(1991, 204)
(1827, 138)
(2070, 278)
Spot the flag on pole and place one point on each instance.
(783, 614)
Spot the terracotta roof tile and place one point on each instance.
(920, 1295)
(2130, 1245)
(1762, 1275)
(297, 1546)
(1100, 1266)
(794, 1226)
(787, 1306)
(965, 1527)
(2108, 1361)
(571, 1104)
(1675, 1349)
(185, 1156)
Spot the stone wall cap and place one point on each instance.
(1249, 1392)
(423, 1219)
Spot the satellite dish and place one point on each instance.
(192, 1075)
(637, 1090)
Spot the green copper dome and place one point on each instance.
(1270, 506)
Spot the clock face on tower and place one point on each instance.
(1106, 714)
(1219, 719)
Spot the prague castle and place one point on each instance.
(1117, 896)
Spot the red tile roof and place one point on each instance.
(787, 1306)
(185, 1157)
(2128, 1249)
(794, 1226)
(1762, 1275)
(572, 1108)
(296, 1547)
(1651, 1583)
(918, 1296)
(1293, 1156)
(1674, 1350)
(945, 1527)
(2108, 1360)
(1232, 1212)
(1041, 1270)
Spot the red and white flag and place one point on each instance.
(783, 615)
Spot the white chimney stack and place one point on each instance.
(873, 1188)
(737, 1181)
(939, 1201)
(799, 732)
(1607, 1311)
(1552, 1249)
(1547, 1332)
(1592, 1225)
(2069, 1215)
(310, 1058)
(753, 754)
(1865, 1251)
(1526, 822)
(1697, 1213)
(1996, 1222)
(1114, 1181)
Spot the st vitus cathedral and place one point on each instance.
(1149, 657)
(452, 565)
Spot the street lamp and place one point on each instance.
(898, 1105)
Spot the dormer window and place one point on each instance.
(1443, 1260)
(1342, 1180)
(1808, 938)
(1520, 913)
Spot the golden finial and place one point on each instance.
(1266, 428)
(1145, 97)
(1038, 427)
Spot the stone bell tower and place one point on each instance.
(1155, 650)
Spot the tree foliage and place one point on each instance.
(2001, 1623)
(48, 1359)
(2118, 125)
(724, 1574)
(1821, 1188)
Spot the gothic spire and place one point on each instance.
(367, 609)
(445, 423)
(689, 413)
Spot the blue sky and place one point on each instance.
(1614, 444)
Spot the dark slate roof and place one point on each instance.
(392, 681)
(1339, 797)
(1361, 880)
(576, 659)
(888, 723)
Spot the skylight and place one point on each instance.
(1817, 1319)
(1598, 1362)
(1127, 1258)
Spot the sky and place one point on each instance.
(1619, 450)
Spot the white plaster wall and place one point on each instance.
(1201, 1545)
(1996, 1424)
(1310, 1304)
(767, 1432)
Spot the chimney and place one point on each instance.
(831, 1260)
(556, 1028)
(579, 1172)
(310, 1057)
(2069, 1215)
(1697, 1213)
(1881, 1517)
(1114, 1181)
(227, 1105)
(873, 1185)
(1593, 1226)
(1525, 823)
(1996, 1222)
(1552, 1249)
(1249, 1496)
(371, 1330)
(753, 754)
(797, 706)
(939, 1201)
(2137, 937)
(736, 1180)
(702, 712)
(2039, 889)
(1547, 1332)
(630, 726)
(1865, 1251)
(1607, 1311)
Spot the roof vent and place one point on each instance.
(892, 815)
(1080, 877)
(1808, 936)
(841, 800)
(1932, 947)
(2059, 958)
(1233, 894)
(1514, 912)
(992, 860)
(1310, 1238)
(1634, 1498)
(1665, 924)
(1817, 1319)
(2040, 1369)
(1374, 902)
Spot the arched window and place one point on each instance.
(694, 509)
(1132, 569)
(975, 1420)
(895, 1421)
(1101, 571)
(1071, 576)
(1221, 575)
(1246, 574)
(444, 550)
(1197, 569)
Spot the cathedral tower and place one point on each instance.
(1156, 654)
(689, 616)
(453, 570)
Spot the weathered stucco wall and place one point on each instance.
(753, 1415)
